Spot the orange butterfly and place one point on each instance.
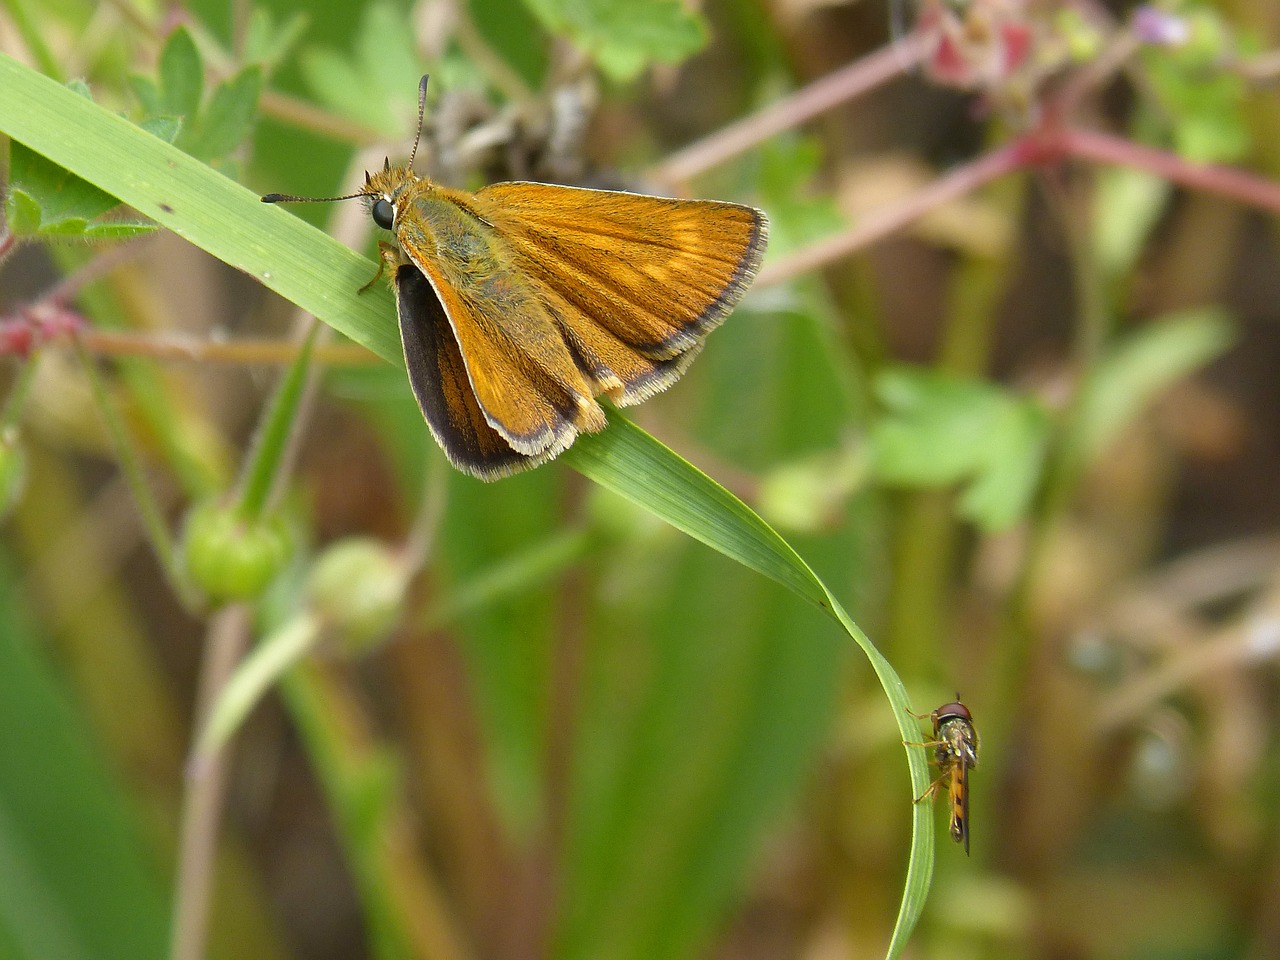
(521, 303)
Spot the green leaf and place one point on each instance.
(21, 213)
(147, 92)
(117, 230)
(507, 28)
(47, 200)
(271, 445)
(267, 42)
(634, 465)
(799, 213)
(940, 430)
(181, 76)
(65, 228)
(1000, 495)
(705, 702)
(165, 127)
(1201, 97)
(186, 196)
(935, 426)
(229, 117)
(624, 38)
(1127, 204)
(79, 879)
(1142, 367)
(59, 193)
(379, 85)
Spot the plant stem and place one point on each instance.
(227, 638)
(1227, 181)
(246, 352)
(818, 97)
(889, 219)
(268, 457)
(131, 466)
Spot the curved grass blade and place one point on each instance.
(321, 275)
(634, 465)
(285, 254)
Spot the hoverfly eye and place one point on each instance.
(384, 214)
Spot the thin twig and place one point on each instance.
(203, 801)
(307, 116)
(1251, 639)
(790, 112)
(94, 269)
(473, 44)
(244, 352)
(227, 639)
(886, 220)
(1226, 181)
(415, 553)
(131, 466)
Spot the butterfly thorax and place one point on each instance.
(440, 225)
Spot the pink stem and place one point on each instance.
(829, 91)
(884, 221)
(1227, 181)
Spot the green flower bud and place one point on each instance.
(231, 558)
(357, 587)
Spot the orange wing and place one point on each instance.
(634, 282)
(522, 376)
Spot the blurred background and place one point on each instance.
(1031, 441)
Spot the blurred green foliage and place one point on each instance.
(569, 731)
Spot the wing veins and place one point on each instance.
(574, 228)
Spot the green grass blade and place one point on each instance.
(75, 872)
(218, 215)
(634, 465)
(322, 276)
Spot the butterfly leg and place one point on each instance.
(389, 256)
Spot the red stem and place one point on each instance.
(819, 96)
(1049, 144)
(1227, 181)
(884, 221)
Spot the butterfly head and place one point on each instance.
(383, 191)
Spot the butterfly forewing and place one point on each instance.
(655, 274)
(524, 376)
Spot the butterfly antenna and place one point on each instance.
(422, 107)
(289, 198)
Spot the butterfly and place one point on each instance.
(522, 303)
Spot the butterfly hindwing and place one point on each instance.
(440, 383)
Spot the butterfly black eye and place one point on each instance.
(384, 214)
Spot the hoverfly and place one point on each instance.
(955, 751)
